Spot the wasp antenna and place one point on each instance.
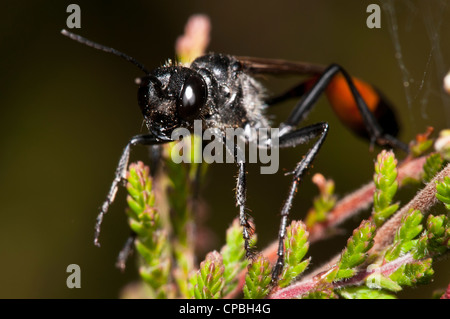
(98, 46)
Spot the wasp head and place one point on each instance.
(171, 97)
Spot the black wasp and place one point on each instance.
(221, 91)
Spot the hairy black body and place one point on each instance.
(231, 98)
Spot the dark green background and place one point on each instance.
(67, 111)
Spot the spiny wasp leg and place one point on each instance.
(120, 175)
(293, 139)
(126, 251)
(244, 218)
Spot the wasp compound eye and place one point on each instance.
(192, 97)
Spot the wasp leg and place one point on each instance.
(292, 139)
(155, 154)
(245, 220)
(126, 251)
(145, 139)
(308, 100)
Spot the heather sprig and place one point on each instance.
(356, 251)
(443, 192)
(432, 166)
(152, 241)
(208, 281)
(258, 278)
(233, 255)
(323, 203)
(295, 246)
(385, 179)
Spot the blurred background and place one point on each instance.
(67, 111)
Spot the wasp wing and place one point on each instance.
(264, 66)
(254, 65)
